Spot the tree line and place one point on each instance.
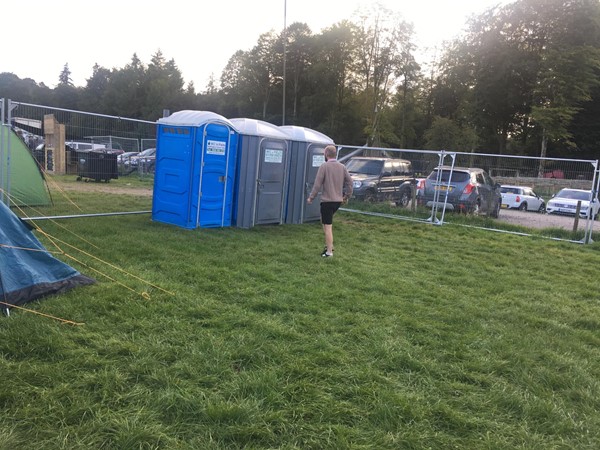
(523, 79)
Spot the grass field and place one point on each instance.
(412, 337)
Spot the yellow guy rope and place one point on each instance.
(39, 213)
(69, 322)
(104, 262)
(57, 187)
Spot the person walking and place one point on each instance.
(335, 183)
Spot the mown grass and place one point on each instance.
(412, 336)
(423, 214)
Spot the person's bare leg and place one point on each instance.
(328, 230)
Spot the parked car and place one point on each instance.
(420, 183)
(522, 198)
(381, 179)
(76, 146)
(84, 146)
(124, 157)
(144, 159)
(565, 202)
(468, 190)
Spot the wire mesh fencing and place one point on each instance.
(86, 162)
(98, 164)
(555, 198)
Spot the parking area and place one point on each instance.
(536, 220)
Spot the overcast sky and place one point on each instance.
(40, 36)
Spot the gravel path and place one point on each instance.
(537, 220)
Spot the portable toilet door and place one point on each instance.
(307, 153)
(261, 173)
(195, 170)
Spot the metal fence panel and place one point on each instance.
(70, 147)
(545, 177)
(132, 190)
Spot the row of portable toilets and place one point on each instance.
(215, 172)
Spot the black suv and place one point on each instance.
(379, 179)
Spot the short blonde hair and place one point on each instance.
(330, 151)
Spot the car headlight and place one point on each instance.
(356, 184)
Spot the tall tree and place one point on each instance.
(526, 68)
(64, 79)
(331, 106)
(384, 52)
(569, 68)
(236, 93)
(66, 95)
(262, 69)
(298, 59)
(124, 94)
(249, 77)
(162, 87)
(95, 90)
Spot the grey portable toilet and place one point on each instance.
(195, 170)
(306, 155)
(261, 184)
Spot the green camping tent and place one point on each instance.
(25, 185)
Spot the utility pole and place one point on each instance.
(284, 56)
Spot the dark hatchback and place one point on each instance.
(464, 189)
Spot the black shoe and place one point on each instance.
(326, 255)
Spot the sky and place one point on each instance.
(41, 36)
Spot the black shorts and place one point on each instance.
(328, 209)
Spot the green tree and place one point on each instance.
(299, 48)
(569, 69)
(384, 54)
(124, 94)
(522, 70)
(250, 77)
(95, 90)
(162, 87)
(64, 79)
(447, 134)
(66, 95)
(331, 106)
(23, 90)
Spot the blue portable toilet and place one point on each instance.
(195, 170)
(307, 153)
(261, 183)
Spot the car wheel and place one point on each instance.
(404, 199)
(496, 212)
(523, 206)
(370, 196)
(542, 208)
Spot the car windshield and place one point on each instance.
(457, 177)
(364, 166)
(509, 190)
(573, 194)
